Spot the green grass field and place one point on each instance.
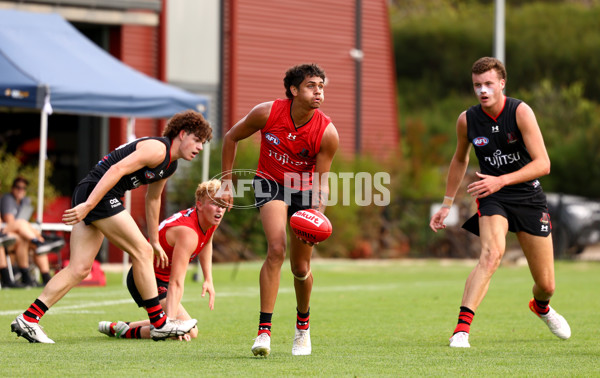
(368, 318)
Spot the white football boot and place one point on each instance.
(301, 346)
(172, 328)
(262, 345)
(104, 327)
(555, 322)
(460, 340)
(30, 331)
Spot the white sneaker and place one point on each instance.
(104, 327)
(172, 328)
(119, 329)
(301, 346)
(460, 340)
(30, 331)
(557, 324)
(262, 345)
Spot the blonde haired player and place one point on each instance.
(183, 236)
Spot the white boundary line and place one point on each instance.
(86, 306)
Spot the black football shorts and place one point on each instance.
(108, 206)
(268, 190)
(530, 216)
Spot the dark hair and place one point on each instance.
(191, 122)
(488, 63)
(20, 179)
(296, 75)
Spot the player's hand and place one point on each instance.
(486, 186)
(437, 220)
(185, 337)
(210, 288)
(76, 214)
(226, 194)
(160, 256)
(305, 241)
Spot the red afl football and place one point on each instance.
(310, 225)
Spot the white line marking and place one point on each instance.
(86, 306)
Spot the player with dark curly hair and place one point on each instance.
(98, 212)
(298, 143)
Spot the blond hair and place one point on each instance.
(207, 189)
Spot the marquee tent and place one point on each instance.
(48, 65)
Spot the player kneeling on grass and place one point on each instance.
(183, 236)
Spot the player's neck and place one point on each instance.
(204, 223)
(174, 152)
(496, 108)
(300, 115)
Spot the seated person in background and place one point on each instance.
(6, 241)
(183, 236)
(16, 210)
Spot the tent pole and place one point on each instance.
(205, 161)
(205, 165)
(46, 109)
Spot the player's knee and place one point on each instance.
(490, 258)
(79, 271)
(143, 252)
(276, 252)
(301, 273)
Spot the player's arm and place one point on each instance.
(254, 121)
(329, 145)
(8, 210)
(456, 172)
(184, 241)
(539, 165)
(205, 258)
(534, 142)
(153, 201)
(148, 153)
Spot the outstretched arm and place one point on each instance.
(329, 146)
(205, 258)
(184, 241)
(254, 121)
(456, 172)
(153, 201)
(148, 153)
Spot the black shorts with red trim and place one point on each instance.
(267, 190)
(135, 294)
(530, 216)
(108, 206)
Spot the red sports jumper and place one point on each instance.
(288, 153)
(187, 218)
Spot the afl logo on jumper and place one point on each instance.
(272, 139)
(480, 141)
(149, 175)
